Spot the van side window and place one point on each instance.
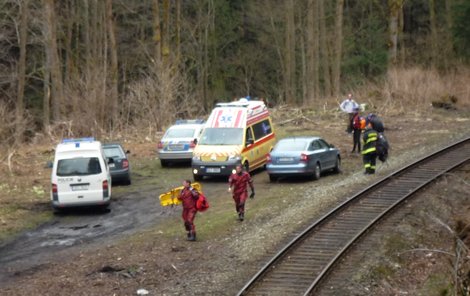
(248, 136)
(262, 129)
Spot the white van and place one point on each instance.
(80, 174)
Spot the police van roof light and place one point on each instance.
(89, 139)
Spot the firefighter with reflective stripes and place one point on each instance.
(369, 151)
(189, 196)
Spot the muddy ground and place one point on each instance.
(138, 244)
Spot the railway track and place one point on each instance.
(302, 264)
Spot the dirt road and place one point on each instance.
(78, 228)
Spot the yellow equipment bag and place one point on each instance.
(171, 197)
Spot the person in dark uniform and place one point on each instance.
(238, 185)
(189, 196)
(357, 130)
(369, 152)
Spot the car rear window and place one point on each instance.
(114, 152)
(179, 133)
(82, 166)
(291, 145)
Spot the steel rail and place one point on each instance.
(414, 176)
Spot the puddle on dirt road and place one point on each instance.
(78, 228)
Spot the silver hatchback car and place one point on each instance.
(305, 156)
(178, 142)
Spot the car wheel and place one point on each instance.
(317, 172)
(246, 166)
(337, 168)
(197, 178)
(164, 163)
(272, 178)
(128, 181)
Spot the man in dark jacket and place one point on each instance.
(238, 183)
(189, 196)
(369, 151)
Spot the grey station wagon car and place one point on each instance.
(118, 163)
(304, 156)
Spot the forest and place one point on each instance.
(95, 67)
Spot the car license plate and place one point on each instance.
(213, 170)
(79, 187)
(176, 147)
(286, 159)
(112, 165)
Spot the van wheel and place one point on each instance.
(164, 163)
(246, 166)
(337, 168)
(317, 172)
(272, 178)
(197, 177)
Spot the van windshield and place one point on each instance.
(222, 136)
(82, 166)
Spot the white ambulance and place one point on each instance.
(80, 174)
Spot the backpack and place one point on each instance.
(382, 147)
(362, 122)
(202, 203)
(359, 122)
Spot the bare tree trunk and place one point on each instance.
(303, 58)
(54, 63)
(21, 71)
(338, 46)
(113, 96)
(166, 33)
(269, 7)
(395, 6)
(178, 31)
(324, 52)
(316, 52)
(289, 83)
(401, 23)
(102, 49)
(312, 50)
(157, 31)
(46, 103)
(432, 20)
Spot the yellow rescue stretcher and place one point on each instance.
(171, 197)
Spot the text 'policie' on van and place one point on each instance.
(80, 175)
(239, 132)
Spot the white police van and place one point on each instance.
(80, 174)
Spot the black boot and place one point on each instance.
(241, 216)
(192, 236)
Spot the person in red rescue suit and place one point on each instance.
(369, 151)
(238, 185)
(189, 196)
(357, 130)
